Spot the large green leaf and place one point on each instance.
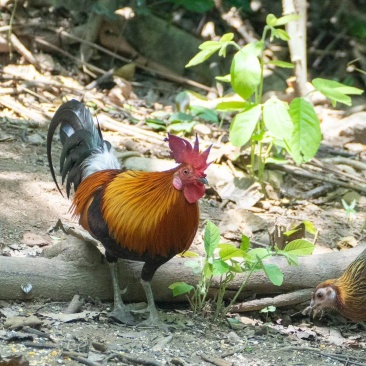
(180, 288)
(335, 91)
(306, 134)
(245, 73)
(228, 251)
(299, 247)
(273, 273)
(277, 119)
(211, 238)
(203, 55)
(220, 267)
(243, 125)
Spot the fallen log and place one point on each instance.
(77, 267)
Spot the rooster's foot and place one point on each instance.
(122, 315)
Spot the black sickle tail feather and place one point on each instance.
(80, 139)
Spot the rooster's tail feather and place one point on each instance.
(84, 150)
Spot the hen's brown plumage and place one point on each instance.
(346, 294)
(142, 216)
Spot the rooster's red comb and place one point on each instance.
(182, 151)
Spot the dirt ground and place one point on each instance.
(30, 205)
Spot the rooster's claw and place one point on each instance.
(122, 316)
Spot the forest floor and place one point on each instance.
(36, 332)
(30, 205)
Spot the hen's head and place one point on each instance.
(324, 296)
(190, 176)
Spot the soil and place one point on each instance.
(30, 205)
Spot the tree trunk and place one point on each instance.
(297, 43)
(79, 268)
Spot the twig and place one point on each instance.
(304, 173)
(335, 170)
(67, 54)
(338, 357)
(162, 343)
(10, 103)
(216, 360)
(342, 160)
(23, 50)
(37, 332)
(111, 124)
(172, 77)
(77, 357)
(40, 345)
(291, 298)
(137, 360)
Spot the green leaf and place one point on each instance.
(281, 34)
(230, 106)
(306, 135)
(211, 238)
(204, 113)
(271, 20)
(220, 267)
(286, 19)
(273, 273)
(224, 79)
(189, 254)
(181, 127)
(300, 247)
(245, 243)
(195, 265)
(285, 65)
(180, 288)
(245, 73)
(290, 232)
(277, 118)
(309, 227)
(179, 117)
(228, 251)
(335, 91)
(256, 253)
(203, 56)
(207, 270)
(156, 124)
(227, 37)
(243, 125)
(268, 309)
(292, 259)
(278, 161)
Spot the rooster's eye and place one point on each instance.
(185, 171)
(319, 295)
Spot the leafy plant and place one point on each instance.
(187, 115)
(226, 261)
(294, 127)
(350, 209)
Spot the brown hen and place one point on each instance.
(346, 294)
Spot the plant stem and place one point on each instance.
(258, 100)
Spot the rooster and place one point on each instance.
(347, 294)
(141, 216)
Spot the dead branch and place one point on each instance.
(77, 267)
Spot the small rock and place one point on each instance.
(32, 239)
(35, 139)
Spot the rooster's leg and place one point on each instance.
(120, 312)
(153, 316)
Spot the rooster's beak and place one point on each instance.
(203, 180)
